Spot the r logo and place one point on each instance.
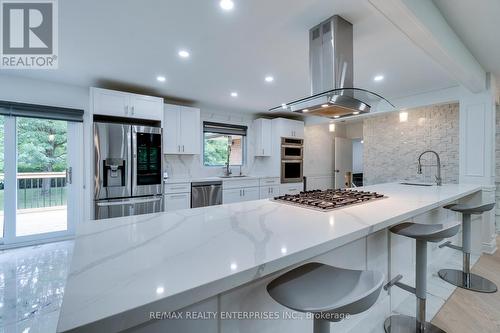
(27, 27)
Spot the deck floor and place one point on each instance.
(38, 221)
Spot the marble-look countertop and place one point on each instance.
(123, 268)
(215, 178)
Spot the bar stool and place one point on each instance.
(422, 233)
(330, 293)
(464, 278)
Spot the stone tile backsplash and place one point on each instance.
(391, 147)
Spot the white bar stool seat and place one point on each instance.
(329, 292)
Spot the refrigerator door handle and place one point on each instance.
(127, 202)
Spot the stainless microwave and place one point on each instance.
(292, 149)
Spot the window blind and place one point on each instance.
(226, 129)
(40, 111)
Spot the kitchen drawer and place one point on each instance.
(267, 192)
(175, 202)
(239, 183)
(293, 188)
(269, 181)
(177, 188)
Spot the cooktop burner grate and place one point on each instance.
(329, 199)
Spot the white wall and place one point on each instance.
(191, 166)
(24, 90)
(318, 156)
(357, 156)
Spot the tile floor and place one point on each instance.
(32, 281)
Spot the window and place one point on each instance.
(222, 142)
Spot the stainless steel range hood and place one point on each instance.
(331, 75)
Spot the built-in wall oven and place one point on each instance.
(128, 177)
(292, 149)
(292, 160)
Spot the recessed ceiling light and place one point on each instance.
(161, 78)
(283, 105)
(183, 54)
(160, 290)
(226, 4)
(325, 105)
(305, 110)
(269, 78)
(362, 141)
(378, 78)
(234, 94)
(336, 117)
(355, 112)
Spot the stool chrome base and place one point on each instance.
(407, 324)
(468, 281)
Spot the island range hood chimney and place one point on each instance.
(331, 75)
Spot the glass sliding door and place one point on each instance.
(42, 161)
(2, 180)
(40, 176)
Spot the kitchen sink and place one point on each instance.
(417, 184)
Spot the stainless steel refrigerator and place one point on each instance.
(128, 164)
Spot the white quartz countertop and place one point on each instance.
(215, 178)
(123, 268)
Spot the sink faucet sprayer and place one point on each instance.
(439, 181)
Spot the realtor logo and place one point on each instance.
(29, 34)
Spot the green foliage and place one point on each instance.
(216, 150)
(41, 145)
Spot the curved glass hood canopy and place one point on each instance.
(331, 74)
(336, 103)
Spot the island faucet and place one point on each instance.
(439, 180)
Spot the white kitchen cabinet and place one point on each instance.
(263, 137)
(240, 194)
(288, 128)
(181, 130)
(146, 107)
(121, 104)
(176, 201)
(267, 192)
(292, 188)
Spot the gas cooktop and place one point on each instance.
(329, 199)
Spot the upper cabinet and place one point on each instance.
(288, 128)
(181, 130)
(122, 104)
(263, 137)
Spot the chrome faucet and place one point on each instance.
(439, 180)
(227, 169)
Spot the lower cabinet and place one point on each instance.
(292, 188)
(267, 192)
(176, 201)
(240, 194)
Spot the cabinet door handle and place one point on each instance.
(272, 190)
(243, 192)
(182, 148)
(132, 109)
(126, 109)
(177, 196)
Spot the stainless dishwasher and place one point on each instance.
(207, 193)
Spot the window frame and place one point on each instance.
(244, 138)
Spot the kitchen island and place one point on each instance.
(218, 258)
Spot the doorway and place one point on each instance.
(39, 179)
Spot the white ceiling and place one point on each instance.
(126, 44)
(477, 24)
